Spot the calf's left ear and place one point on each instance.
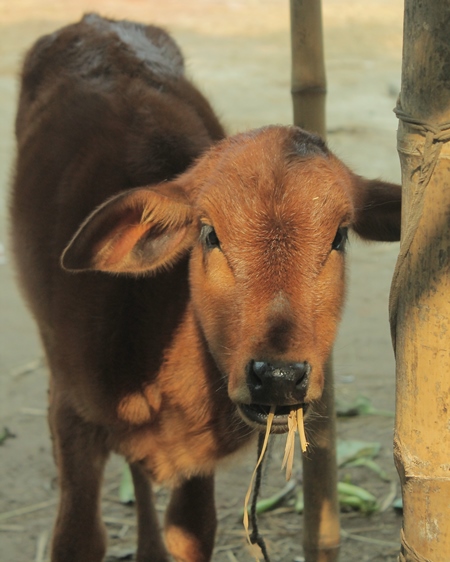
(377, 209)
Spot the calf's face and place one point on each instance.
(265, 216)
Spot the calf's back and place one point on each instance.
(104, 107)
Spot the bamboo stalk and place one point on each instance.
(420, 302)
(321, 513)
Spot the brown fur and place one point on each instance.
(149, 357)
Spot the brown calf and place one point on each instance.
(201, 298)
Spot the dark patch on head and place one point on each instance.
(302, 143)
(278, 335)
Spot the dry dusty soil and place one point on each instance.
(238, 52)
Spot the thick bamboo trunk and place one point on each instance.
(420, 295)
(321, 516)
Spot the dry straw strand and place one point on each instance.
(301, 430)
(288, 459)
(295, 423)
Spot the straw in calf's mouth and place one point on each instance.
(301, 430)
(295, 423)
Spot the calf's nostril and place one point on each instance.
(259, 367)
(256, 371)
(301, 372)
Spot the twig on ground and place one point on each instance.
(368, 540)
(28, 509)
(33, 411)
(370, 529)
(29, 367)
(231, 556)
(12, 528)
(228, 547)
(123, 531)
(41, 547)
(389, 499)
(225, 514)
(119, 521)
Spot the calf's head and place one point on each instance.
(265, 216)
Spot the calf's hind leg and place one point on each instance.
(81, 453)
(191, 520)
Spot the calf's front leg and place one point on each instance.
(81, 453)
(191, 522)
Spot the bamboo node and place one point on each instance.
(308, 89)
(435, 136)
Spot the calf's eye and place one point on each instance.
(340, 239)
(209, 236)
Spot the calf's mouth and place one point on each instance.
(256, 416)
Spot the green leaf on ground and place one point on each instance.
(360, 453)
(126, 486)
(398, 504)
(356, 498)
(352, 449)
(5, 434)
(266, 504)
(299, 505)
(371, 465)
(350, 496)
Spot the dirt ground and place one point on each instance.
(238, 52)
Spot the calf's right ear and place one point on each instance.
(378, 206)
(137, 231)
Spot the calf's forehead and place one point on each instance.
(273, 179)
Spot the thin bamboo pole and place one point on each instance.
(420, 294)
(321, 536)
(308, 82)
(321, 527)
